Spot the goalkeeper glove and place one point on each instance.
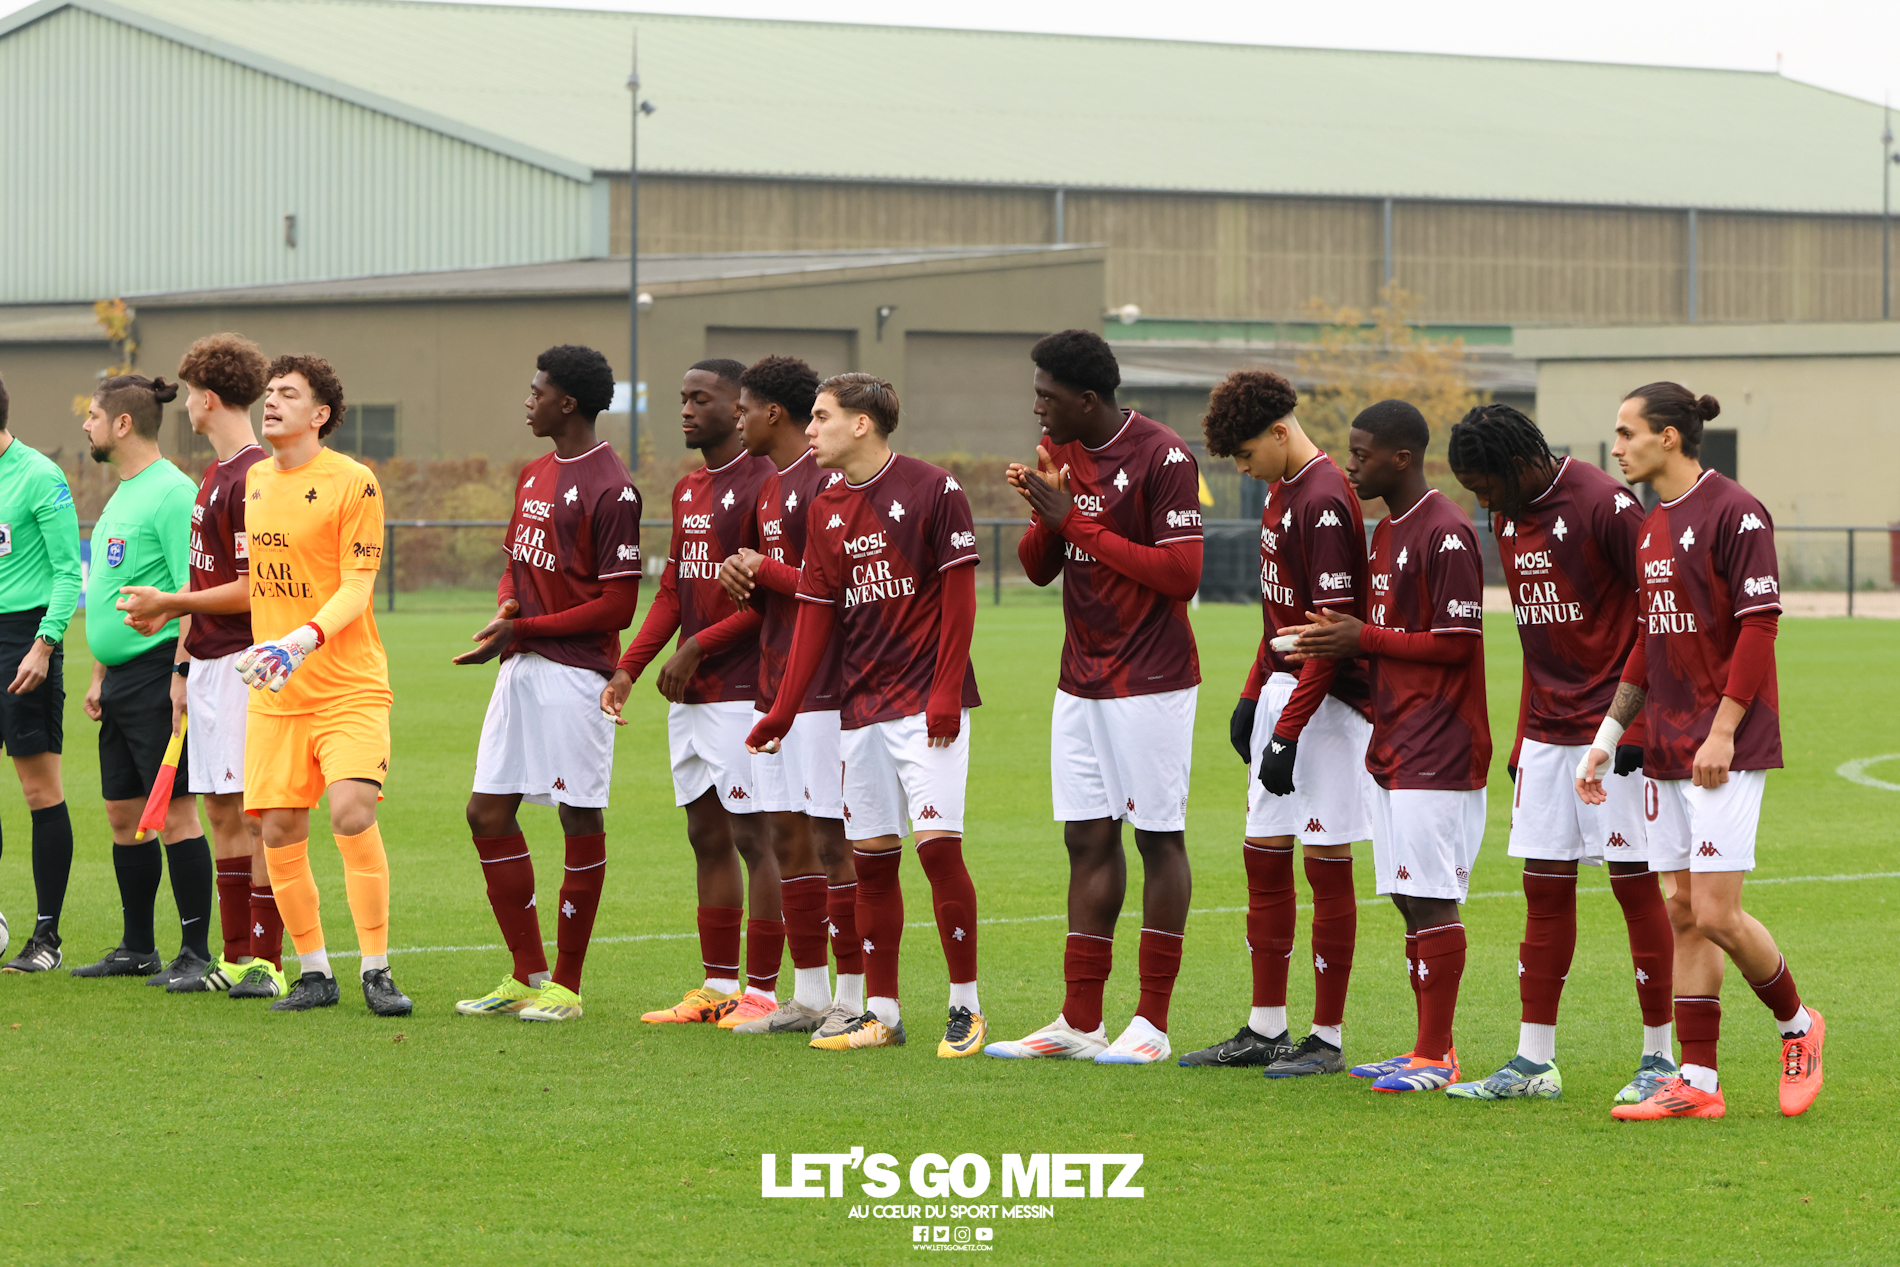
(271, 663)
(1276, 765)
(1629, 758)
(1240, 727)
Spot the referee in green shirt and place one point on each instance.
(143, 537)
(39, 584)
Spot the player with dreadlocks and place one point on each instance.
(1567, 535)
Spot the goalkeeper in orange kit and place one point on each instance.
(319, 715)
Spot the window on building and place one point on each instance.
(368, 431)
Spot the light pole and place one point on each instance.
(633, 259)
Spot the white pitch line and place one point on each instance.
(1856, 772)
(1044, 919)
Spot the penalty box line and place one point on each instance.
(1044, 919)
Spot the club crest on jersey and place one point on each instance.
(727, 500)
(115, 551)
(897, 510)
(1121, 480)
(1403, 555)
(1328, 519)
(1286, 521)
(1560, 531)
(791, 501)
(1750, 521)
(1687, 538)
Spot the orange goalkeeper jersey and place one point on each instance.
(307, 527)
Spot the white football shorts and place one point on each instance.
(805, 776)
(1330, 781)
(216, 701)
(1123, 758)
(544, 737)
(1701, 828)
(1550, 821)
(1424, 841)
(707, 745)
(896, 783)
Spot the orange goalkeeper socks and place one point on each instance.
(296, 892)
(366, 882)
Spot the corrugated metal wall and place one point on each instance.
(134, 164)
(1264, 259)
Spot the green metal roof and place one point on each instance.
(740, 97)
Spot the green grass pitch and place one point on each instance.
(142, 1128)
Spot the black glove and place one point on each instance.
(1276, 765)
(1512, 771)
(1240, 728)
(1629, 758)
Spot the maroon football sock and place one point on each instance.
(234, 907)
(764, 953)
(802, 898)
(1159, 962)
(880, 919)
(1550, 943)
(509, 872)
(1086, 963)
(1411, 966)
(1652, 942)
(847, 948)
(719, 941)
(1699, 1030)
(1271, 913)
(267, 927)
(953, 898)
(1441, 965)
(581, 883)
(1779, 994)
(1335, 930)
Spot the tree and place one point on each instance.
(116, 319)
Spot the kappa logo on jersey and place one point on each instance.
(737, 794)
(1623, 502)
(1464, 608)
(560, 785)
(687, 495)
(1335, 580)
(626, 494)
(1687, 538)
(835, 477)
(527, 483)
(1451, 542)
(837, 521)
(963, 540)
(1121, 480)
(1184, 519)
(115, 551)
(1750, 521)
(1645, 544)
(1707, 850)
(256, 493)
(1312, 825)
(383, 765)
(369, 490)
(1560, 530)
(1329, 519)
(1174, 455)
(1131, 805)
(928, 811)
(214, 496)
(1755, 585)
(897, 510)
(1403, 874)
(791, 500)
(1616, 841)
(950, 484)
(1510, 528)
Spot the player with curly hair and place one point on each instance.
(571, 586)
(1302, 728)
(320, 698)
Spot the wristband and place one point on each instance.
(1607, 734)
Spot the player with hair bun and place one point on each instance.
(571, 585)
(1703, 676)
(1566, 534)
(1302, 728)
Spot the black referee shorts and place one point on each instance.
(135, 701)
(35, 722)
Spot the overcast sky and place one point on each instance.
(1851, 46)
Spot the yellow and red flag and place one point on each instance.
(153, 819)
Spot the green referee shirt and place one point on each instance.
(39, 539)
(143, 537)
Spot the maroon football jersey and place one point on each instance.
(1430, 729)
(1570, 564)
(576, 526)
(784, 501)
(877, 551)
(714, 513)
(220, 553)
(1122, 638)
(1313, 555)
(1707, 559)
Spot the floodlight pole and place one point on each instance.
(633, 263)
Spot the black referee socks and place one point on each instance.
(138, 868)
(193, 878)
(52, 864)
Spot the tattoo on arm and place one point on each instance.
(1628, 702)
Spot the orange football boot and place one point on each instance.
(751, 1008)
(1675, 1098)
(700, 1004)
(1801, 1067)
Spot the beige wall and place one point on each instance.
(42, 379)
(1817, 437)
(1204, 256)
(458, 370)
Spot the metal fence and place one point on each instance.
(455, 563)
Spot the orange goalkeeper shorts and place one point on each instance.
(290, 758)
